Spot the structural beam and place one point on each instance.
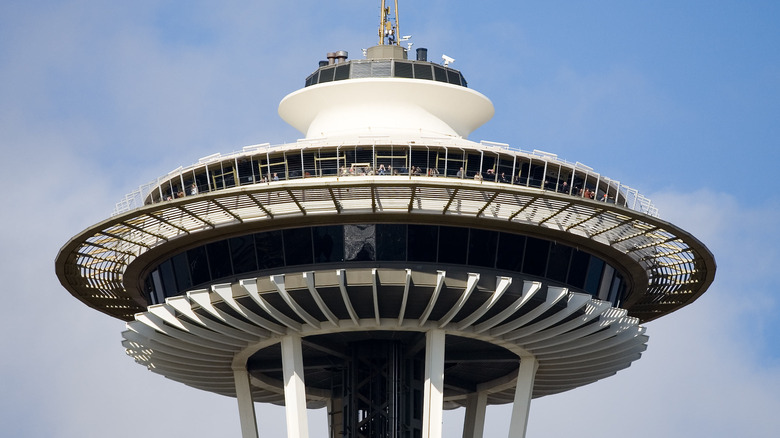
(294, 387)
(433, 391)
(523, 393)
(474, 423)
(246, 406)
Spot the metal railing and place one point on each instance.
(485, 162)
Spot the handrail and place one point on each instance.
(605, 189)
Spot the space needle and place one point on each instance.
(384, 266)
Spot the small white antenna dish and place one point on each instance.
(447, 60)
(409, 46)
(365, 51)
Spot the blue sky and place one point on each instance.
(680, 100)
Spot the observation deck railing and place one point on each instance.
(486, 162)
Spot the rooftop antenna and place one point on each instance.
(387, 31)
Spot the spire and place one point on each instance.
(388, 32)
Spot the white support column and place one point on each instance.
(523, 393)
(474, 423)
(433, 394)
(246, 406)
(294, 387)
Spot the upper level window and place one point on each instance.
(384, 69)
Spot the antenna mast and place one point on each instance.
(387, 31)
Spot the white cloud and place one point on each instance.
(707, 371)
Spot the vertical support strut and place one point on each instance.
(375, 397)
(246, 405)
(523, 393)
(474, 423)
(433, 391)
(335, 408)
(294, 387)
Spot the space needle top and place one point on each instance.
(383, 255)
(391, 131)
(386, 94)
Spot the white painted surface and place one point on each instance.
(523, 392)
(294, 387)
(386, 106)
(246, 406)
(433, 391)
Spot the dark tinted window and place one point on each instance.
(297, 246)
(182, 271)
(453, 77)
(149, 289)
(421, 243)
(391, 242)
(385, 242)
(614, 290)
(403, 69)
(578, 269)
(219, 259)
(595, 268)
(482, 247)
(242, 253)
(558, 266)
(342, 72)
(326, 74)
(270, 253)
(199, 266)
(510, 252)
(453, 243)
(440, 74)
(168, 280)
(423, 71)
(535, 260)
(328, 244)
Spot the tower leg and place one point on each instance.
(335, 417)
(246, 406)
(294, 387)
(433, 391)
(523, 393)
(474, 423)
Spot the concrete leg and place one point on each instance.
(523, 393)
(246, 406)
(433, 394)
(474, 423)
(294, 387)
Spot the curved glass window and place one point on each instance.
(263, 167)
(240, 256)
(385, 68)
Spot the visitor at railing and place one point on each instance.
(560, 185)
(221, 176)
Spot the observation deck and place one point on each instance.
(399, 266)
(445, 181)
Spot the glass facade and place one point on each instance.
(386, 68)
(240, 257)
(386, 160)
